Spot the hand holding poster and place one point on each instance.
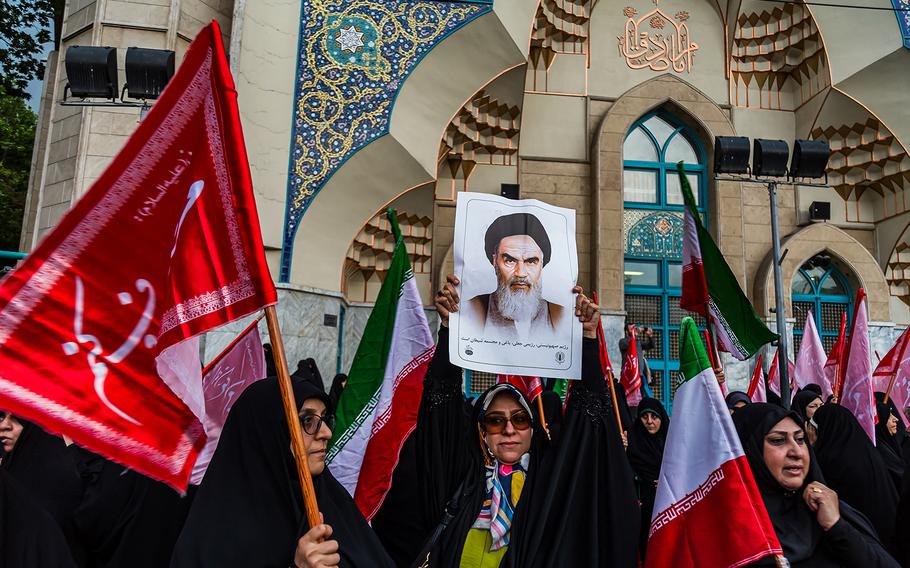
(517, 263)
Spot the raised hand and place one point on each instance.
(447, 299)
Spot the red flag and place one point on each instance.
(631, 374)
(241, 364)
(530, 386)
(892, 360)
(605, 364)
(756, 390)
(834, 364)
(774, 380)
(164, 246)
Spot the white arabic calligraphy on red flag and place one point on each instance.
(164, 246)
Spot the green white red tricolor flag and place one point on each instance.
(738, 329)
(378, 408)
(708, 511)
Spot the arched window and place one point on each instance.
(652, 231)
(824, 289)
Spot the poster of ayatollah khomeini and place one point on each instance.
(517, 263)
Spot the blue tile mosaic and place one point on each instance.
(353, 57)
(902, 11)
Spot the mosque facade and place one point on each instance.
(350, 107)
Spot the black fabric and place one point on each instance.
(887, 445)
(736, 397)
(854, 469)
(336, 389)
(307, 370)
(817, 389)
(397, 523)
(29, 536)
(126, 518)
(577, 507)
(646, 452)
(803, 399)
(516, 224)
(849, 543)
(43, 466)
(249, 509)
(552, 408)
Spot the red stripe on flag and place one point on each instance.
(390, 431)
(686, 535)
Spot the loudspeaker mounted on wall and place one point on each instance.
(820, 211)
(509, 190)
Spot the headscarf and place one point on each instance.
(854, 468)
(47, 472)
(736, 397)
(803, 399)
(336, 389)
(249, 509)
(504, 482)
(887, 445)
(795, 525)
(646, 450)
(29, 537)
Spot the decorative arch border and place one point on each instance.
(806, 243)
(707, 120)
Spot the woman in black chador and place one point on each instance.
(854, 469)
(815, 528)
(249, 509)
(646, 452)
(495, 490)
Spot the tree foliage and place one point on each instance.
(27, 26)
(17, 137)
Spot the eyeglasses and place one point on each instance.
(496, 423)
(311, 423)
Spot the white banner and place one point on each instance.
(517, 262)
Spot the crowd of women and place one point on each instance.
(479, 483)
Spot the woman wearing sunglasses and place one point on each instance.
(249, 509)
(494, 490)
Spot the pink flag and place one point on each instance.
(897, 363)
(757, 384)
(810, 363)
(774, 380)
(223, 381)
(857, 394)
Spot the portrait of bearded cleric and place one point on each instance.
(518, 249)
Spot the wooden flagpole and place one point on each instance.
(602, 345)
(231, 345)
(543, 417)
(293, 419)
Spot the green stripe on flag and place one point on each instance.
(693, 358)
(732, 309)
(361, 393)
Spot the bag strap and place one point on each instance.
(423, 559)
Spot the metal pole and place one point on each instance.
(782, 371)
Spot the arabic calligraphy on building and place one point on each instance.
(656, 41)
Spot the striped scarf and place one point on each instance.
(504, 485)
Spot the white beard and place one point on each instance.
(517, 305)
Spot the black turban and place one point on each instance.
(516, 224)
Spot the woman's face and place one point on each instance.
(786, 454)
(651, 422)
(509, 445)
(315, 444)
(812, 407)
(10, 429)
(892, 424)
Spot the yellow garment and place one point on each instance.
(476, 552)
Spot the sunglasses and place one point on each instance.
(496, 423)
(311, 423)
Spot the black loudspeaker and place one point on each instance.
(820, 211)
(91, 71)
(769, 158)
(810, 158)
(731, 155)
(509, 190)
(148, 71)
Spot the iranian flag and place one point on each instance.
(705, 477)
(739, 330)
(378, 408)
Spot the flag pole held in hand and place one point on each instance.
(293, 419)
(606, 368)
